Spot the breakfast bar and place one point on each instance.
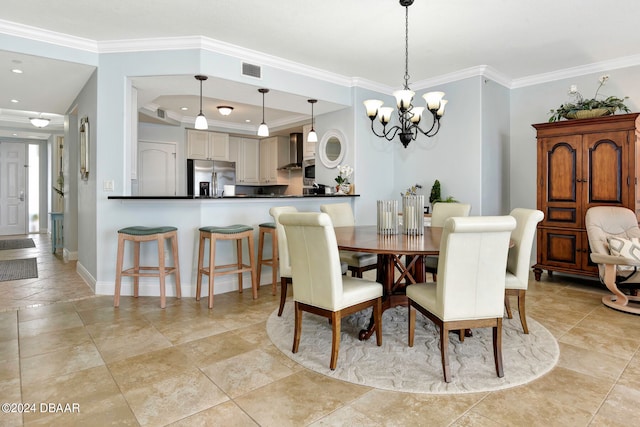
(188, 214)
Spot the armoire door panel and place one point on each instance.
(562, 164)
(607, 169)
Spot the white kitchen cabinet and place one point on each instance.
(247, 160)
(204, 145)
(274, 153)
(309, 151)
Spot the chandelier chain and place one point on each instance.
(406, 48)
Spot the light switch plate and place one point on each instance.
(107, 185)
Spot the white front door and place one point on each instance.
(12, 188)
(156, 169)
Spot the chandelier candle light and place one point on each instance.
(408, 115)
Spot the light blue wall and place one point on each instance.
(495, 148)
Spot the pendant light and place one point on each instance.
(39, 122)
(201, 120)
(313, 136)
(263, 130)
(225, 110)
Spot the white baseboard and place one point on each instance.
(86, 276)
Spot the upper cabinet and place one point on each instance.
(309, 147)
(274, 153)
(247, 160)
(204, 145)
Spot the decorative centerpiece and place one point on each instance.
(589, 108)
(412, 216)
(387, 217)
(344, 174)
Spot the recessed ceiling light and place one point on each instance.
(184, 108)
(15, 101)
(16, 70)
(247, 121)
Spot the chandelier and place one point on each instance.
(408, 115)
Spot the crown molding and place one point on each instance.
(566, 73)
(216, 46)
(46, 36)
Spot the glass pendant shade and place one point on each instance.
(263, 130)
(384, 114)
(440, 112)
(201, 122)
(225, 110)
(313, 136)
(416, 114)
(39, 122)
(403, 98)
(372, 106)
(433, 100)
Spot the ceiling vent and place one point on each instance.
(251, 70)
(160, 113)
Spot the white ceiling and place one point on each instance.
(353, 38)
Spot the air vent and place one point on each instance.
(160, 113)
(251, 70)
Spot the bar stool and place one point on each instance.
(235, 232)
(139, 234)
(268, 228)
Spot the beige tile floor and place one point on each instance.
(190, 366)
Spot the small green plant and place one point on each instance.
(568, 110)
(435, 192)
(436, 197)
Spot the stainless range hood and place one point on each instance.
(295, 152)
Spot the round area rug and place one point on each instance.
(396, 366)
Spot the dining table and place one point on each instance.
(393, 272)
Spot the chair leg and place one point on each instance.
(239, 263)
(412, 324)
(297, 327)
(136, 267)
(260, 254)
(252, 263)
(176, 264)
(162, 272)
(521, 310)
(444, 352)
(274, 264)
(200, 265)
(377, 316)
(507, 306)
(336, 319)
(497, 347)
(283, 293)
(212, 267)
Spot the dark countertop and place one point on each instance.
(247, 196)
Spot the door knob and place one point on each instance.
(22, 196)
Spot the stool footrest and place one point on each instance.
(234, 267)
(133, 272)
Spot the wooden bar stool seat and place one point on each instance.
(235, 232)
(138, 234)
(268, 228)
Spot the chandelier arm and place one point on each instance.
(386, 134)
(433, 126)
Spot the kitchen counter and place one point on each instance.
(241, 196)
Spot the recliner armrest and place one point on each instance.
(613, 259)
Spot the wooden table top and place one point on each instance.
(366, 239)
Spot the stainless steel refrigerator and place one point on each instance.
(207, 178)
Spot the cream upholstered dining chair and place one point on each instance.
(318, 284)
(614, 239)
(442, 211)
(519, 260)
(469, 292)
(357, 262)
(284, 262)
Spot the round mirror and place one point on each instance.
(332, 149)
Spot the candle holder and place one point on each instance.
(387, 217)
(412, 216)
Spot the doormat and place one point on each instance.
(17, 244)
(16, 269)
